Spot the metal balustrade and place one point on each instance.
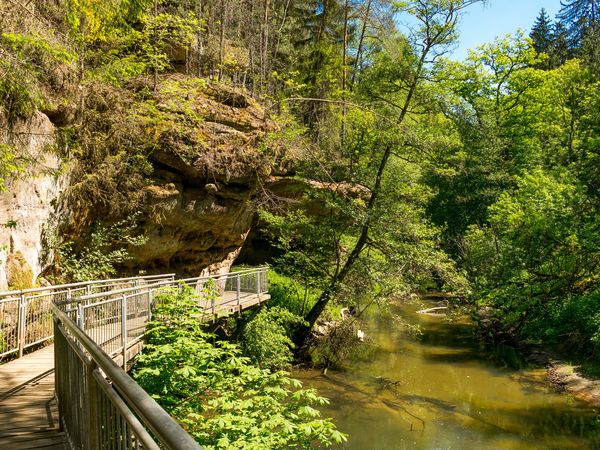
(26, 318)
(95, 337)
(100, 406)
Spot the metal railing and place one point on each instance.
(100, 405)
(26, 318)
(116, 320)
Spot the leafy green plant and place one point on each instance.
(36, 44)
(218, 396)
(107, 246)
(18, 99)
(163, 30)
(290, 294)
(9, 165)
(266, 338)
(540, 248)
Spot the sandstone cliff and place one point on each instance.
(189, 157)
(28, 204)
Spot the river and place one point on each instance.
(442, 390)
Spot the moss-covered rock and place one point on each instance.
(190, 156)
(18, 272)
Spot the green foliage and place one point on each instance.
(9, 165)
(573, 325)
(105, 248)
(162, 31)
(91, 21)
(287, 292)
(18, 99)
(267, 338)
(537, 251)
(218, 396)
(35, 44)
(578, 17)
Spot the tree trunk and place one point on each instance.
(222, 41)
(264, 44)
(334, 284)
(251, 49)
(360, 42)
(344, 75)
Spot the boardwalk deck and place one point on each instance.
(28, 410)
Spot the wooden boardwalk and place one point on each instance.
(228, 303)
(28, 410)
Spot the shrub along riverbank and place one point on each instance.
(217, 394)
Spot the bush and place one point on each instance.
(290, 294)
(267, 338)
(217, 395)
(106, 247)
(17, 100)
(574, 325)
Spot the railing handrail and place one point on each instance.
(152, 414)
(82, 298)
(55, 287)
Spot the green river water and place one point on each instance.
(443, 391)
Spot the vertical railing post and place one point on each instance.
(92, 410)
(238, 290)
(80, 318)
(59, 355)
(212, 305)
(265, 279)
(149, 305)
(258, 283)
(124, 329)
(21, 322)
(69, 296)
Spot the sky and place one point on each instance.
(481, 24)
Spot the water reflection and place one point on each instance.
(443, 391)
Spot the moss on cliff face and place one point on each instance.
(18, 272)
(190, 156)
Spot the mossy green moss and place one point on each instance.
(18, 272)
(16, 99)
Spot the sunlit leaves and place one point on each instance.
(222, 400)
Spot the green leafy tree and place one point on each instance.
(218, 396)
(561, 51)
(373, 222)
(483, 97)
(539, 248)
(266, 339)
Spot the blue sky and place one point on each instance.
(482, 24)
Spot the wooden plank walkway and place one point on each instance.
(28, 411)
(228, 303)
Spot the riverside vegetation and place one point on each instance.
(405, 171)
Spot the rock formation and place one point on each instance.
(188, 158)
